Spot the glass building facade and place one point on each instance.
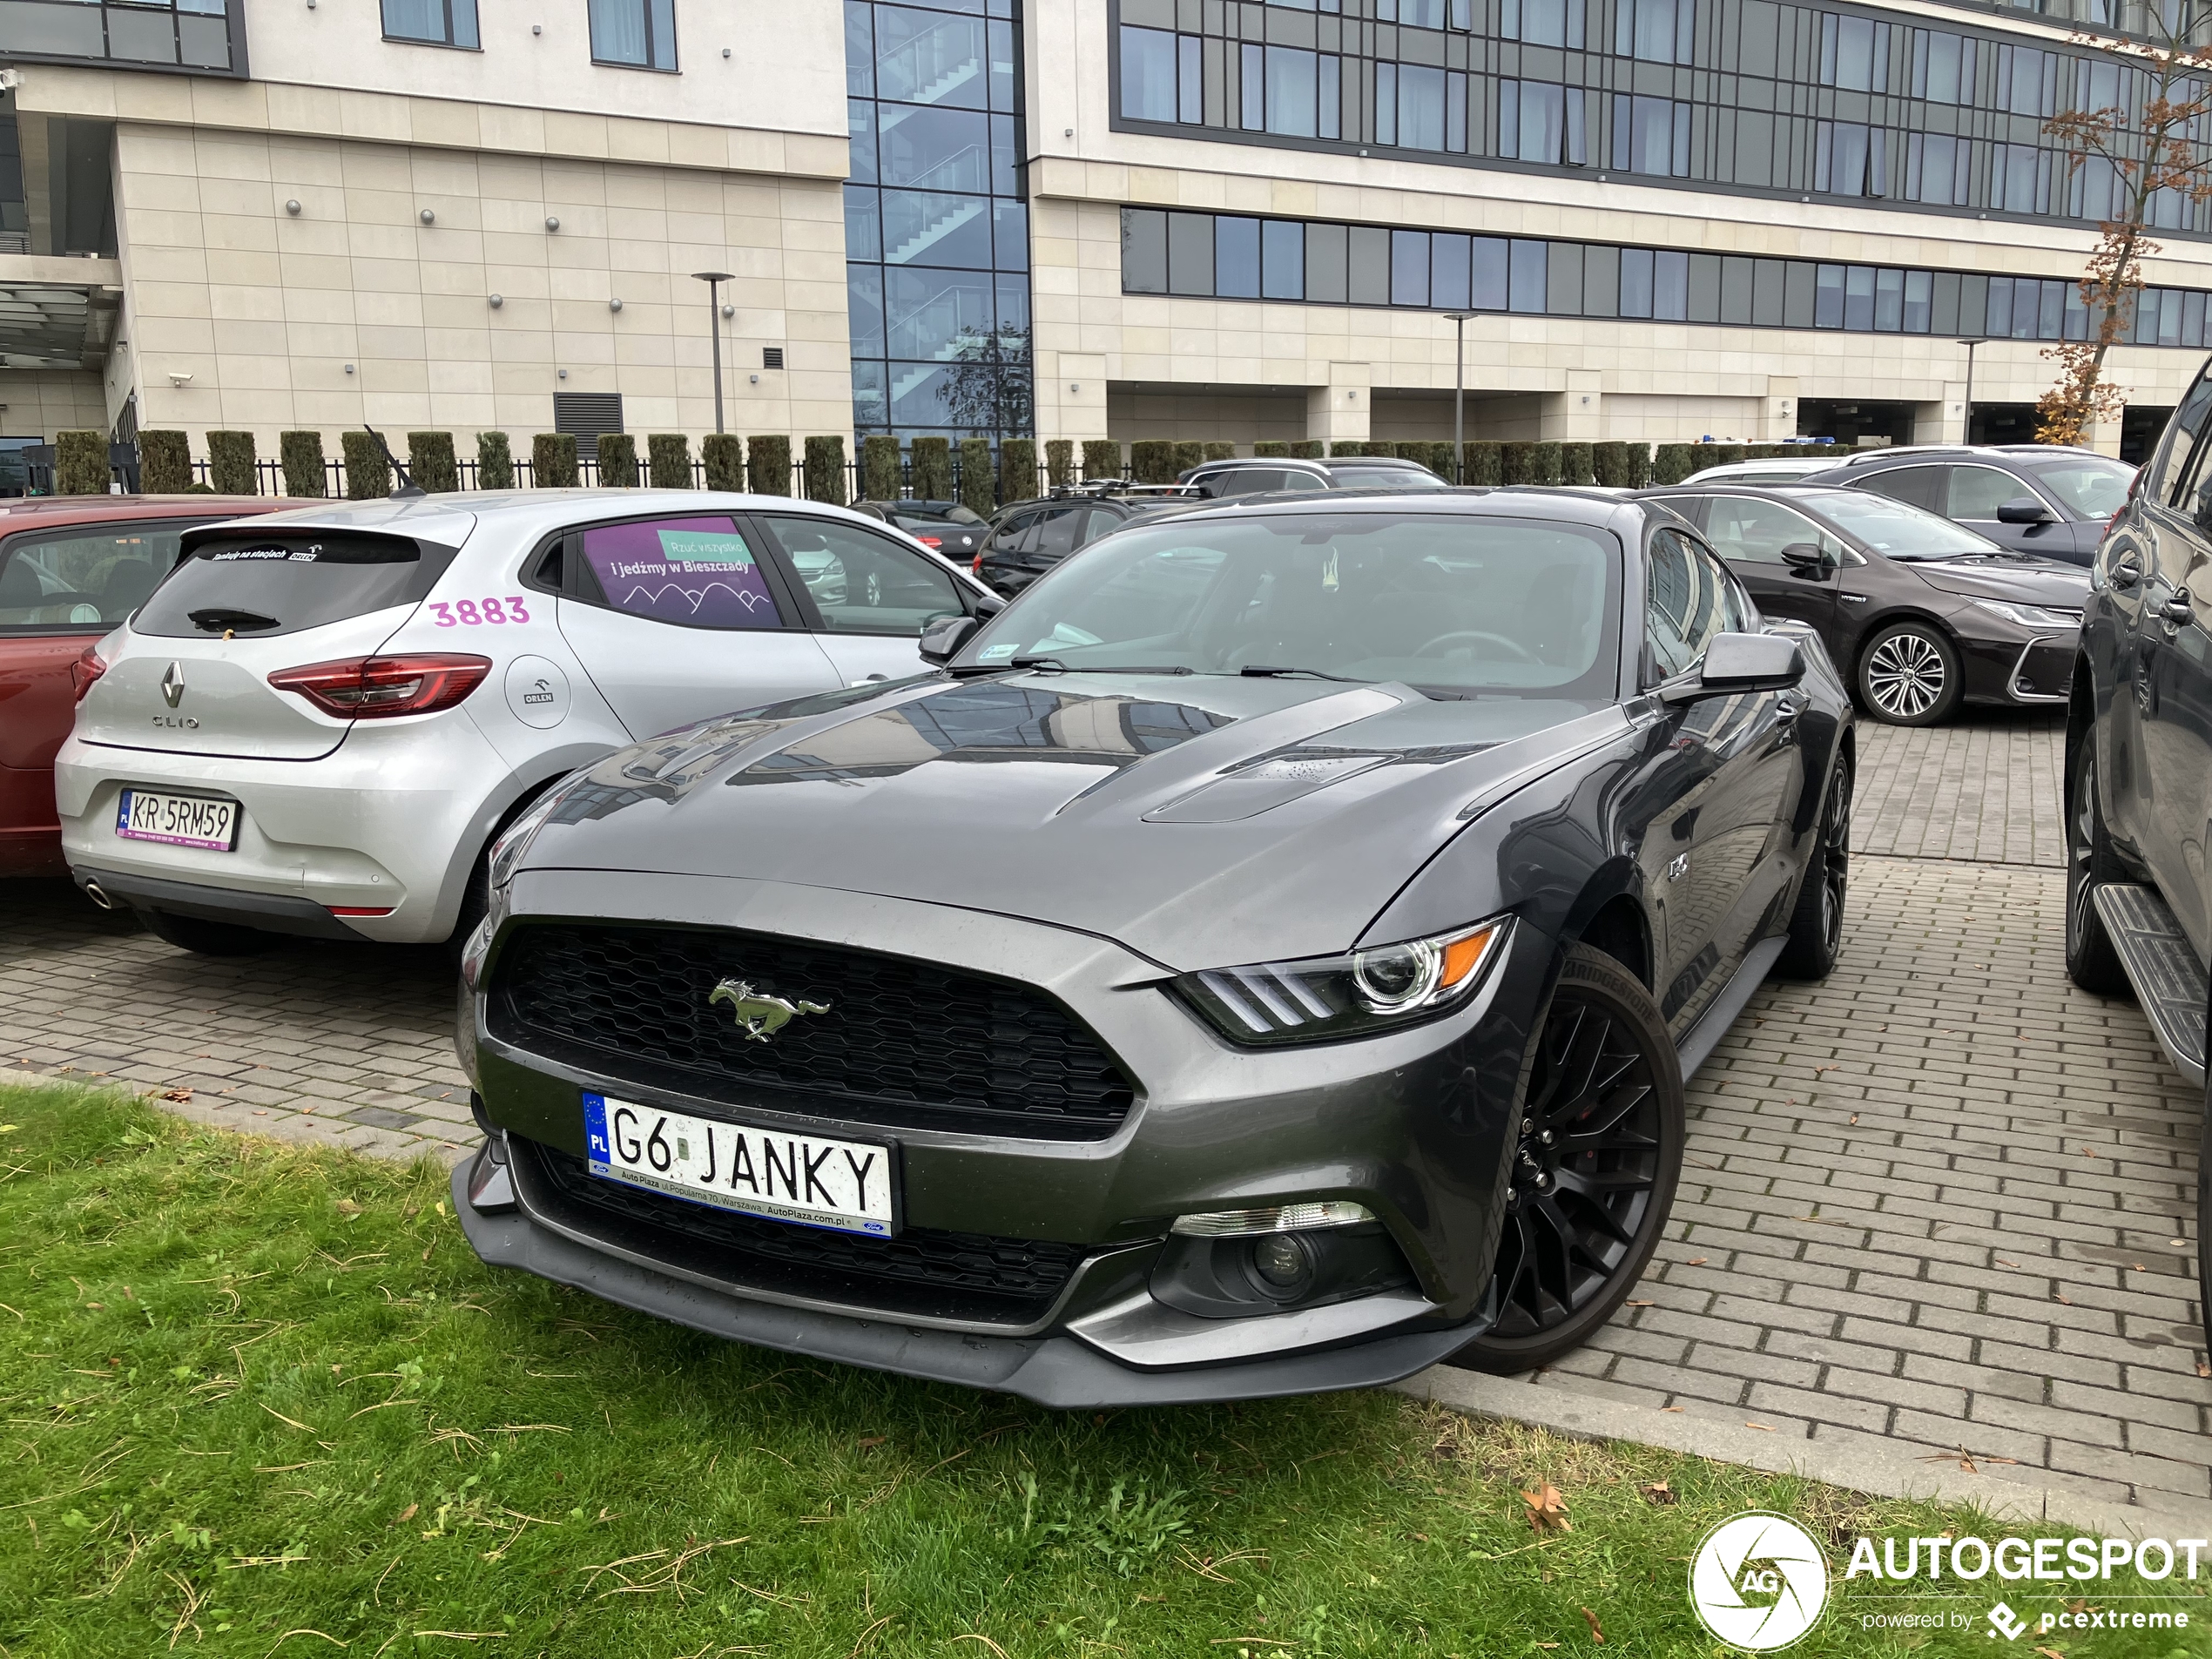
(1748, 96)
(936, 227)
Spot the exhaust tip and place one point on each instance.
(98, 896)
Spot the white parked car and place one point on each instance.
(318, 722)
(1777, 469)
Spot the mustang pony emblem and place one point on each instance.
(759, 1015)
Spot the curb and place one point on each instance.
(1870, 1470)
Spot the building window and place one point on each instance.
(1651, 135)
(640, 34)
(433, 23)
(1538, 121)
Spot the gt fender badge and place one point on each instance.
(758, 1014)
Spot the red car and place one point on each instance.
(71, 567)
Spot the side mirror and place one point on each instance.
(1738, 662)
(2025, 509)
(1805, 558)
(987, 605)
(942, 640)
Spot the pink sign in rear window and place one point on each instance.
(699, 571)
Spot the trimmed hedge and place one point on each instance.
(1308, 449)
(1219, 451)
(80, 463)
(165, 463)
(978, 489)
(301, 454)
(933, 468)
(368, 474)
(768, 465)
(617, 461)
(1347, 447)
(494, 461)
(553, 461)
(1188, 453)
(1673, 463)
(1060, 463)
(1721, 455)
(879, 468)
(1271, 447)
(668, 460)
(1152, 462)
(1574, 464)
(1101, 458)
(724, 453)
(231, 470)
(1621, 465)
(1483, 461)
(1017, 470)
(430, 462)
(825, 469)
(1531, 462)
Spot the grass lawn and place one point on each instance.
(258, 1400)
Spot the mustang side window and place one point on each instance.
(696, 572)
(1687, 598)
(2180, 462)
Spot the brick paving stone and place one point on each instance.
(1984, 788)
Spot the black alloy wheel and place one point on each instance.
(1595, 1168)
(2091, 960)
(1816, 936)
(1910, 675)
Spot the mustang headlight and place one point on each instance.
(1344, 997)
(2036, 617)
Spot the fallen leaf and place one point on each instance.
(1854, 1117)
(1968, 1464)
(1597, 1632)
(2050, 1653)
(1659, 1492)
(177, 1094)
(347, 1207)
(2001, 1262)
(1639, 1304)
(2088, 1152)
(407, 1514)
(871, 1442)
(1762, 1427)
(2138, 1266)
(2203, 1370)
(1670, 1409)
(1696, 1261)
(1547, 1509)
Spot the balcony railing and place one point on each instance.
(187, 37)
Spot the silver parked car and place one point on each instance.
(320, 719)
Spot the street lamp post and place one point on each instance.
(1458, 393)
(1967, 429)
(713, 281)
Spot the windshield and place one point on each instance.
(2088, 487)
(1897, 529)
(912, 516)
(1452, 603)
(1384, 478)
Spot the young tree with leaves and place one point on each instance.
(2130, 170)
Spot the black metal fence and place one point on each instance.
(269, 475)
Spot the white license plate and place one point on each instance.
(180, 820)
(846, 1185)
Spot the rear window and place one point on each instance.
(260, 586)
(83, 578)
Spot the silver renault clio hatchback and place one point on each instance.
(318, 722)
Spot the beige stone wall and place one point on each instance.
(265, 311)
(39, 402)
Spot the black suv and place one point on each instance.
(945, 528)
(2031, 497)
(2138, 760)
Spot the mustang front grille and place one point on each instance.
(846, 1034)
(921, 1272)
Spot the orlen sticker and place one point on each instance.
(537, 692)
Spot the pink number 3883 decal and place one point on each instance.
(471, 613)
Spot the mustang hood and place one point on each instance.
(1199, 820)
(2028, 582)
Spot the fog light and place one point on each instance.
(1284, 1260)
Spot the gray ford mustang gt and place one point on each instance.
(1264, 958)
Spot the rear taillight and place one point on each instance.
(371, 688)
(932, 542)
(86, 669)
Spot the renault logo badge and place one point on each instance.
(172, 685)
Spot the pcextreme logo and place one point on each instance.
(1758, 1581)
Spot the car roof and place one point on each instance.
(1909, 453)
(85, 510)
(1575, 506)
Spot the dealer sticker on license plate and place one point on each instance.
(803, 1179)
(180, 820)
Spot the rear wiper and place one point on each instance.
(1269, 671)
(217, 620)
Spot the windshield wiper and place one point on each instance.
(218, 619)
(1055, 663)
(1269, 671)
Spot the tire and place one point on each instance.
(1909, 675)
(2091, 960)
(1816, 936)
(1603, 1060)
(207, 938)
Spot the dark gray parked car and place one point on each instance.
(2027, 498)
(1264, 958)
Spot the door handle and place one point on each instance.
(2179, 611)
(1787, 708)
(2127, 573)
